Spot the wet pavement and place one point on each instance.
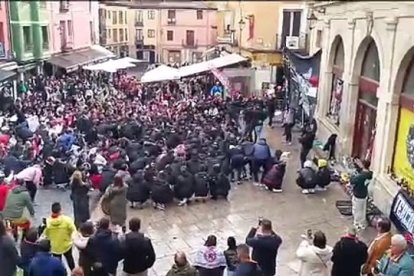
(186, 228)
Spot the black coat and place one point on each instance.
(161, 192)
(138, 190)
(60, 173)
(137, 252)
(184, 186)
(80, 200)
(307, 178)
(11, 163)
(348, 256)
(201, 188)
(108, 175)
(219, 184)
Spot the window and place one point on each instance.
(139, 34)
(109, 32)
(151, 14)
(199, 14)
(115, 35)
(171, 17)
(92, 32)
(27, 38)
(126, 34)
(318, 42)
(170, 35)
(126, 17)
(371, 65)
(151, 33)
(45, 37)
(108, 14)
(114, 18)
(121, 17)
(139, 17)
(70, 28)
(121, 35)
(190, 38)
(291, 24)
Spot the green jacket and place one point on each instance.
(186, 270)
(17, 200)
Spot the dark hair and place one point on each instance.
(266, 225)
(44, 245)
(56, 208)
(32, 235)
(231, 243)
(384, 224)
(134, 224)
(2, 228)
(118, 181)
(86, 228)
(211, 241)
(366, 164)
(319, 239)
(103, 224)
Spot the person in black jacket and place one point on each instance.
(306, 141)
(246, 266)
(137, 250)
(265, 244)
(138, 190)
(28, 249)
(349, 254)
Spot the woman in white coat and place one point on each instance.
(314, 257)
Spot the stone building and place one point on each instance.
(366, 88)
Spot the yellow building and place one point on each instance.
(113, 28)
(260, 29)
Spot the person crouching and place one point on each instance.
(274, 177)
(323, 175)
(307, 178)
(201, 188)
(219, 183)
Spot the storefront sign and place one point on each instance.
(402, 213)
(403, 165)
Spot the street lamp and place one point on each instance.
(242, 24)
(312, 19)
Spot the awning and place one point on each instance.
(72, 60)
(205, 66)
(161, 73)
(4, 75)
(110, 66)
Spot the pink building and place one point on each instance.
(4, 31)
(71, 25)
(187, 31)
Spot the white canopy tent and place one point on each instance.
(131, 60)
(161, 73)
(110, 65)
(204, 66)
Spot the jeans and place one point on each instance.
(359, 211)
(69, 258)
(288, 132)
(32, 189)
(257, 164)
(303, 155)
(257, 132)
(231, 273)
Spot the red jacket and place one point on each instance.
(4, 190)
(96, 180)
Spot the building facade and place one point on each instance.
(113, 28)
(71, 25)
(366, 87)
(29, 22)
(5, 50)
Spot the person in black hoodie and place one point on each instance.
(219, 183)
(349, 254)
(28, 249)
(201, 183)
(265, 244)
(306, 141)
(246, 266)
(137, 250)
(184, 186)
(161, 192)
(104, 249)
(138, 190)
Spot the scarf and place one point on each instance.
(209, 257)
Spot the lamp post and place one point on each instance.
(312, 19)
(242, 24)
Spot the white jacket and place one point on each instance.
(314, 260)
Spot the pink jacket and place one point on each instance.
(33, 174)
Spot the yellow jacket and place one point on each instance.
(59, 230)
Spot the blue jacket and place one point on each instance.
(66, 140)
(216, 90)
(248, 269)
(261, 150)
(44, 264)
(404, 267)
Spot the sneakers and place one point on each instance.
(160, 206)
(183, 202)
(257, 184)
(278, 191)
(320, 189)
(308, 191)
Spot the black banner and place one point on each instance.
(402, 213)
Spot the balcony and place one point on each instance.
(171, 21)
(189, 44)
(64, 6)
(294, 43)
(227, 38)
(139, 40)
(67, 46)
(139, 23)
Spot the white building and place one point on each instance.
(366, 87)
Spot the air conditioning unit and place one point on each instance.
(292, 42)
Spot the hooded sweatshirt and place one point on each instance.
(314, 259)
(17, 200)
(59, 230)
(186, 270)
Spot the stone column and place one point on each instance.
(325, 75)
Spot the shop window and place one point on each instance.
(371, 65)
(337, 85)
(408, 86)
(27, 38)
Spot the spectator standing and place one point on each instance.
(181, 266)
(80, 198)
(116, 197)
(59, 230)
(231, 256)
(379, 245)
(4, 190)
(314, 257)
(349, 254)
(44, 263)
(265, 244)
(28, 249)
(246, 266)
(9, 257)
(209, 260)
(86, 230)
(306, 141)
(397, 262)
(261, 154)
(137, 251)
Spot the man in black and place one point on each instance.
(265, 244)
(137, 250)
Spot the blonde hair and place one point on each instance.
(76, 176)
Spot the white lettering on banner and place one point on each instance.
(404, 213)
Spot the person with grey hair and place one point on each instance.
(397, 261)
(349, 254)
